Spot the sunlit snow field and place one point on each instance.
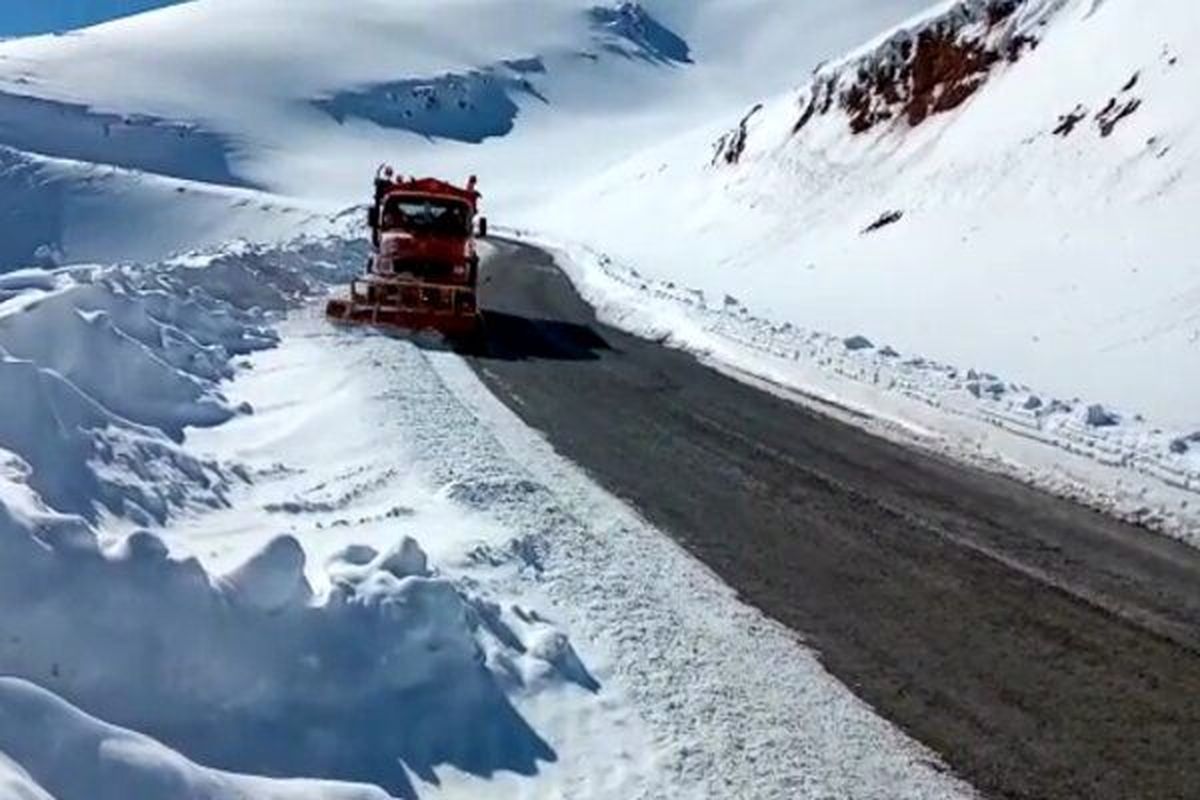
(238, 546)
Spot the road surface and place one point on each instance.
(1044, 650)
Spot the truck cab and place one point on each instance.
(429, 237)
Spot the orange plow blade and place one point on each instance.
(409, 306)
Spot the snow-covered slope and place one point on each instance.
(994, 184)
(306, 97)
(998, 184)
(60, 211)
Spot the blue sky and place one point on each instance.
(22, 17)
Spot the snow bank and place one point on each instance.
(78, 757)
(249, 671)
(1112, 459)
(390, 671)
(105, 368)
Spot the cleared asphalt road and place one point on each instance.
(1044, 650)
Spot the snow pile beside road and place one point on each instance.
(104, 367)
(248, 670)
(1109, 458)
(74, 755)
(387, 670)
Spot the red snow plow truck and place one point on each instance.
(424, 270)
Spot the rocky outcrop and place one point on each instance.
(928, 67)
(729, 148)
(925, 70)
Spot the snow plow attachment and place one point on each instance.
(410, 306)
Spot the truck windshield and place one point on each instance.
(426, 215)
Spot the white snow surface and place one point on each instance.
(1064, 263)
(306, 97)
(212, 571)
(453, 613)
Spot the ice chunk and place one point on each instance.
(1097, 416)
(273, 578)
(406, 559)
(858, 343)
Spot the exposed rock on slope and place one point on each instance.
(927, 68)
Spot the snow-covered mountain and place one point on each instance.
(201, 540)
(305, 97)
(1028, 225)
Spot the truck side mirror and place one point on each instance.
(483, 227)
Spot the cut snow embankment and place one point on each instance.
(1114, 461)
(59, 211)
(384, 672)
(104, 368)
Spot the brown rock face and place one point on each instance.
(944, 73)
(934, 72)
(914, 75)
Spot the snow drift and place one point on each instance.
(74, 755)
(392, 671)
(248, 671)
(104, 368)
